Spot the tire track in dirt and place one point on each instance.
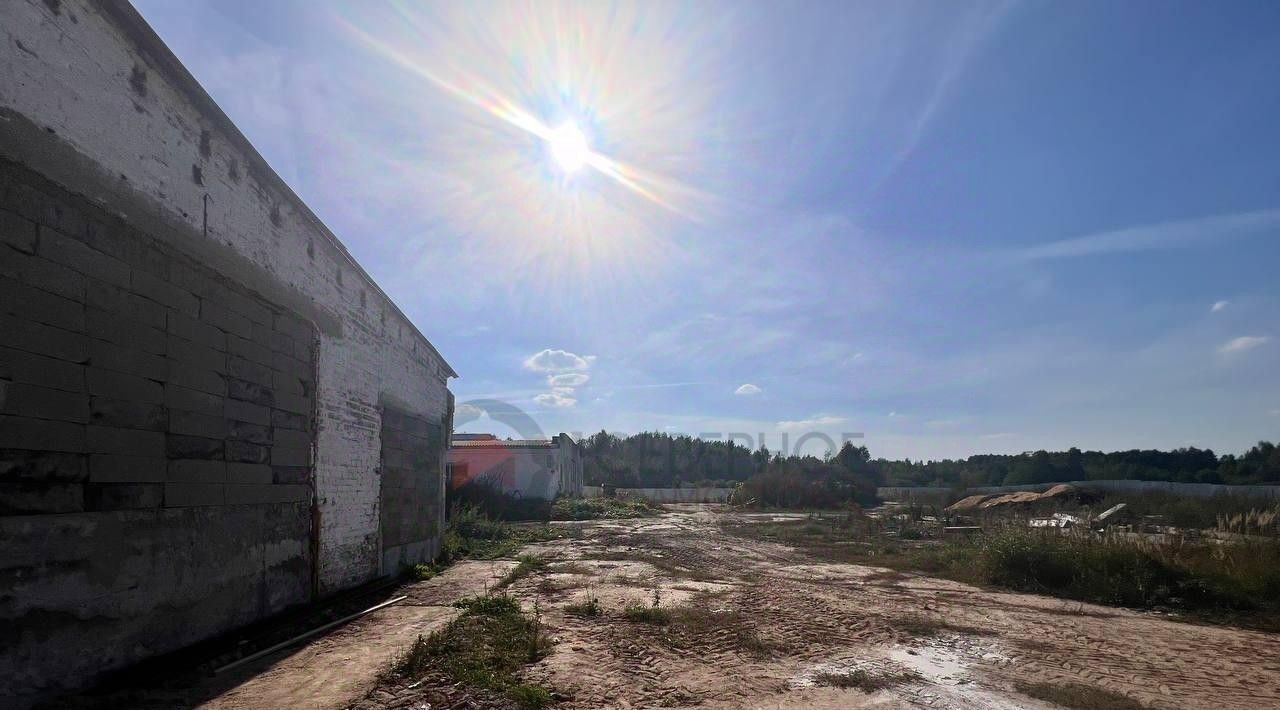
(811, 614)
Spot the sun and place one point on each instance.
(569, 147)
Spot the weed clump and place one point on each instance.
(589, 607)
(474, 534)
(528, 564)
(486, 496)
(602, 509)
(489, 605)
(642, 613)
(485, 647)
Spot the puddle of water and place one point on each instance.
(937, 665)
(944, 675)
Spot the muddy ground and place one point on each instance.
(768, 626)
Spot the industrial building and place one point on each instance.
(526, 468)
(209, 412)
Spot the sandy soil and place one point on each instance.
(815, 617)
(775, 621)
(338, 668)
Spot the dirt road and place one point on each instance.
(762, 625)
(962, 646)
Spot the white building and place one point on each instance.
(527, 468)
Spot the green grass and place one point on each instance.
(1236, 583)
(1078, 696)
(473, 534)
(485, 647)
(602, 508)
(1206, 578)
(528, 564)
(489, 605)
(645, 614)
(589, 607)
(424, 571)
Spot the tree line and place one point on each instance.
(659, 460)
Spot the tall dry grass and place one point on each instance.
(1256, 521)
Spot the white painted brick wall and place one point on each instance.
(72, 76)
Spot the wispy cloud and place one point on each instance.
(1219, 305)
(747, 390)
(972, 34)
(816, 422)
(1165, 235)
(1243, 344)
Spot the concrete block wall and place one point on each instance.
(412, 494)
(93, 104)
(92, 99)
(156, 432)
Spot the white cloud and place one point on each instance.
(1243, 343)
(747, 390)
(816, 422)
(564, 372)
(997, 435)
(1166, 235)
(1275, 412)
(557, 361)
(568, 379)
(467, 412)
(555, 399)
(1219, 305)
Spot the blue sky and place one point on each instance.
(952, 227)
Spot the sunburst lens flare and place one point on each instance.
(569, 147)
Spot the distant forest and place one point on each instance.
(662, 460)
